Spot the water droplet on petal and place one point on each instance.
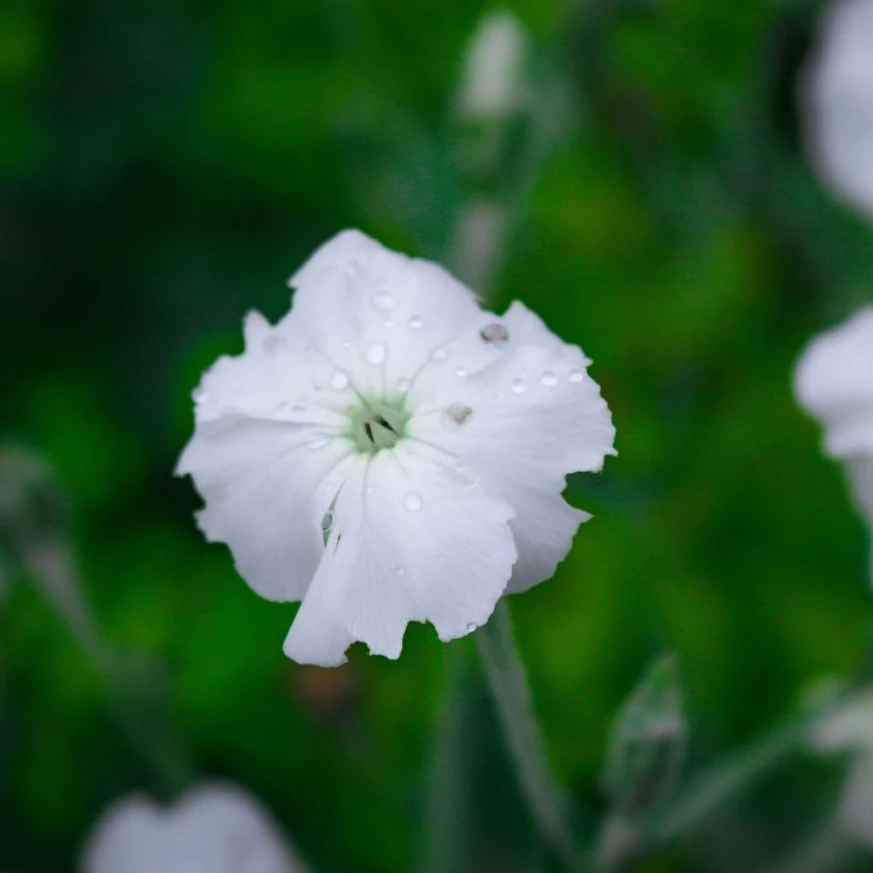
(460, 465)
(403, 385)
(416, 322)
(575, 376)
(320, 443)
(383, 301)
(368, 491)
(438, 355)
(517, 386)
(458, 413)
(376, 353)
(471, 627)
(273, 344)
(347, 344)
(413, 502)
(496, 334)
(339, 381)
(549, 379)
(199, 395)
(400, 570)
(461, 373)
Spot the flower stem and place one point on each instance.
(509, 687)
(828, 847)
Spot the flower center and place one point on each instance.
(377, 423)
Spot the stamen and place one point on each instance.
(377, 423)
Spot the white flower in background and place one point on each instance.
(493, 84)
(389, 452)
(213, 829)
(834, 382)
(837, 102)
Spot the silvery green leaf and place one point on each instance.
(647, 746)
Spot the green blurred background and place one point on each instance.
(164, 166)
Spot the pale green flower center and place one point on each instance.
(377, 423)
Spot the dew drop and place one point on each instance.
(458, 413)
(549, 379)
(496, 334)
(339, 381)
(199, 395)
(368, 491)
(517, 386)
(416, 322)
(461, 373)
(383, 301)
(376, 353)
(575, 376)
(471, 627)
(347, 344)
(438, 355)
(320, 443)
(273, 344)
(403, 385)
(413, 502)
(460, 466)
(400, 570)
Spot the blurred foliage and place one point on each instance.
(165, 165)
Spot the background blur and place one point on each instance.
(165, 165)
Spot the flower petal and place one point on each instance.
(532, 410)
(530, 418)
(376, 314)
(412, 541)
(214, 829)
(834, 382)
(837, 99)
(259, 480)
(273, 378)
(544, 527)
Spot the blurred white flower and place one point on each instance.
(389, 452)
(837, 101)
(213, 829)
(834, 382)
(492, 83)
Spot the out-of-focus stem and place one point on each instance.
(827, 848)
(509, 686)
(447, 812)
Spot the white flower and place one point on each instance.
(389, 452)
(834, 382)
(837, 101)
(493, 83)
(213, 829)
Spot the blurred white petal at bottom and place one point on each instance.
(216, 828)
